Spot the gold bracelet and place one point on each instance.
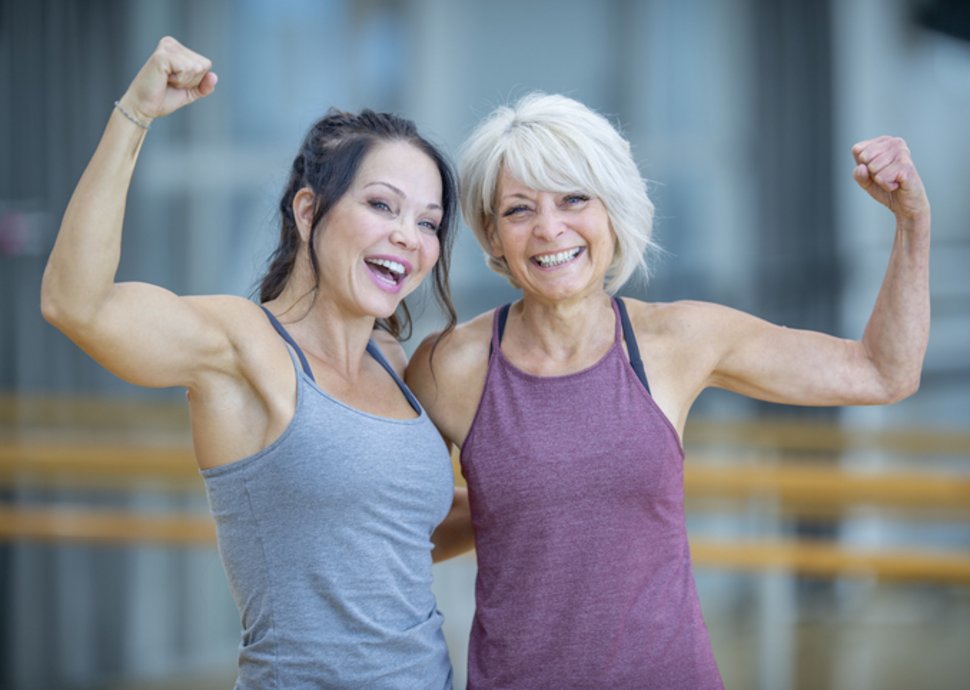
(131, 117)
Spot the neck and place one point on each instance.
(322, 330)
(573, 330)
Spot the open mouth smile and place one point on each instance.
(557, 258)
(389, 274)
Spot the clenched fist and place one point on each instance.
(174, 76)
(885, 169)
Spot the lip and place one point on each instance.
(381, 278)
(535, 261)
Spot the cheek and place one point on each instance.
(431, 251)
(492, 239)
(510, 241)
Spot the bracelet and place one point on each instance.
(131, 117)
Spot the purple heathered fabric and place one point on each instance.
(584, 572)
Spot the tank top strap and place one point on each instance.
(631, 341)
(289, 341)
(498, 328)
(375, 352)
(372, 350)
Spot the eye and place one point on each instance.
(379, 205)
(429, 226)
(575, 199)
(514, 211)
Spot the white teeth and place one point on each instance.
(392, 266)
(547, 260)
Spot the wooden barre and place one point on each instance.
(104, 526)
(800, 435)
(98, 459)
(816, 558)
(786, 482)
(794, 482)
(792, 433)
(829, 559)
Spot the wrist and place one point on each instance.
(915, 227)
(132, 114)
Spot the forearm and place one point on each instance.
(897, 333)
(82, 266)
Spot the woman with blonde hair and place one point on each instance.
(569, 405)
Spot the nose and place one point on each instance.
(548, 225)
(405, 234)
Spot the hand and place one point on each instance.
(885, 169)
(174, 76)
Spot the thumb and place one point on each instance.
(861, 175)
(208, 84)
(205, 87)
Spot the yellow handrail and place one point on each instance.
(764, 461)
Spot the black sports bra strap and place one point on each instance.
(631, 344)
(292, 343)
(503, 316)
(375, 352)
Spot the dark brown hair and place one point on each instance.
(327, 163)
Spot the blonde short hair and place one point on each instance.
(554, 143)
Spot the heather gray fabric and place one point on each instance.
(325, 538)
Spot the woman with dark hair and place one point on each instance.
(325, 477)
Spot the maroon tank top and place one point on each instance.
(584, 572)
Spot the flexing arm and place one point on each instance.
(807, 368)
(897, 333)
(142, 333)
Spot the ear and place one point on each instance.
(304, 202)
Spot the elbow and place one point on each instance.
(50, 307)
(908, 387)
(55, 307)
(899, 388)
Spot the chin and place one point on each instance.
(562, 292)
(382, 310)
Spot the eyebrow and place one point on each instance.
(515, 195)
(399, 192)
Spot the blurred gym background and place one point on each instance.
(832, 547)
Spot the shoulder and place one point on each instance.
(684, 318)
(464, 346)
(444, 365)
(447, 374)
(250, 344)
(695, 336)
(229, 322)
(229, 311)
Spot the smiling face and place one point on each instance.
(379, 241)
(558, 245)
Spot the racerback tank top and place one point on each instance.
(584, 572)
(325, 536)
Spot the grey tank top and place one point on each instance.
(325, 536)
